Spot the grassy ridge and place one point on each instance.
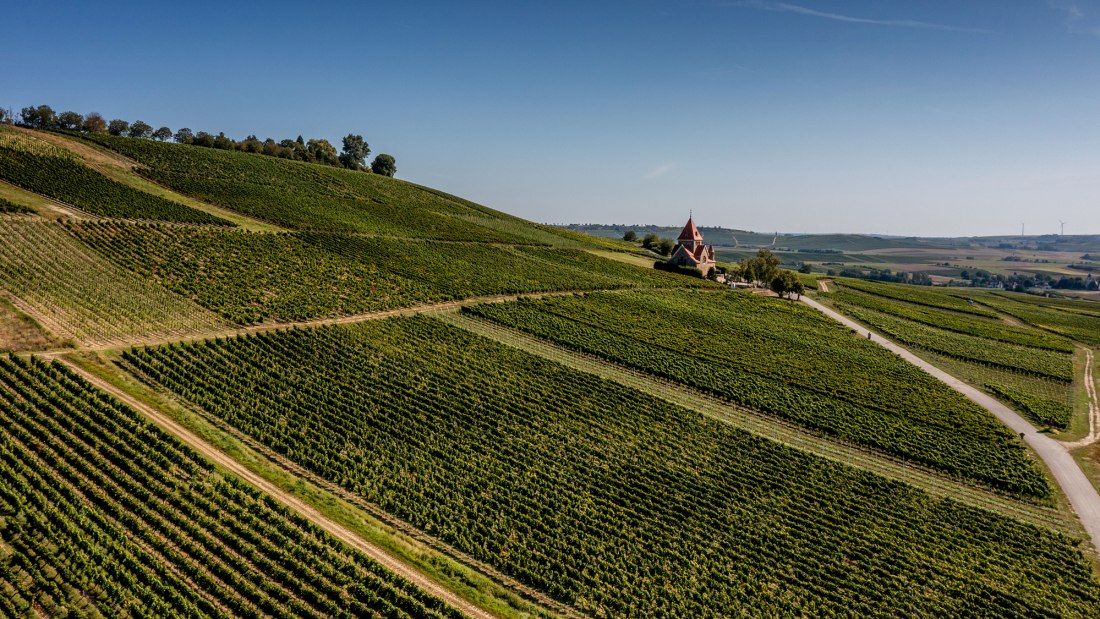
(103, 514)
(311, 197)
(604, 498)
(788, 360)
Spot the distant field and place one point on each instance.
(605, 498)
(105, 515)
(788, 360)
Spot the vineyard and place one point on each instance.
(312, 197)
(81, 296)
(952, 321)
(51, 171)
(1075, 320)
(786, 359)
(103, 515)
(605, 498)
(1043, 363)
(7, 206)
(250, 278)
(920, 295)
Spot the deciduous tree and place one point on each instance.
(140, 129)
(184, 136)
(70, 120)
(94, 123)
(162, 134)
(384, 164)
(118, 127)
(355, 151)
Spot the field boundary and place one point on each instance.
(1082, 495)
(295, 504)
(768, 426)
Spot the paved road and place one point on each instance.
(1082, 495)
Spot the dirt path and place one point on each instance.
(823, 284)
(300, 507)
(1094, 406)
(155, 340)
(1077, 488)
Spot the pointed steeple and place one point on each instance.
(690, 232)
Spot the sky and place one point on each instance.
(903, 117)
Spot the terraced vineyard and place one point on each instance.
(81, 296)
(1030, 368)
(603, 497)
(103, 515)
(1076, 320)
(52, 171)
(250, 278)
(313, 197)
(787, 360)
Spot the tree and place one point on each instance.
(70, 120)
(221, 141)
(163, 134)
(140, 129)
(322, 151)
(786, 283)
(118, 127)
(203, 138)
(184, 136)
(4, 118)
(650, 240)
(630, 236)
(355, 151)
(805, 268)
(94, 123)
(41, 117)
(665, 247)
(761, 268)
(384, 164)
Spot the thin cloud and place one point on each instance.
(1077, 20)
(783, 7)
(661, 170)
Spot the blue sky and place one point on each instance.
(902, 117)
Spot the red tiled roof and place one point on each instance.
(690, 232)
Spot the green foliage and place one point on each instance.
(790, 361)
(1040, 410)
(303, 196)
(82, 295)
(607, 499)
(763, 267)
(7, 206)
(630, 236)
(354, 152)
(251, 277)
(953, 321)
(384, 164)
(920, 295)
(102, 511)
(68, 180)
(1076, 320)
(786, 284)
(1047, 363)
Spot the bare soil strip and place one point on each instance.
(1081, 493)
(1094, 405)
(300, 507)
(770, 427)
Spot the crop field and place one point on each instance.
(104, 515)
(19, 332)
(788, 360)
(1075, 320)
(605, 498)
(1044, 363)
(920, 295)
(311, 197)
(47, 169)
(250, 278)
(986, 328)
(80, 295)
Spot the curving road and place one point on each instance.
(1081, 493)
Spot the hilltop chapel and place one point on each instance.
(690, 250)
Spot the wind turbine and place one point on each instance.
(1022, 229)
(1063, 233)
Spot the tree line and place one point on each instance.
(353, 154)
